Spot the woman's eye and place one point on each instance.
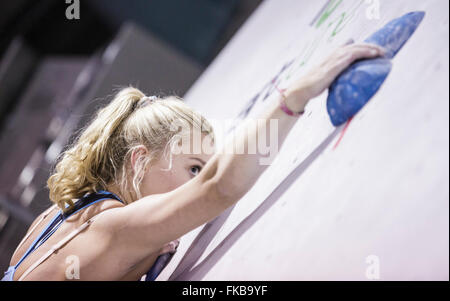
(195, 169)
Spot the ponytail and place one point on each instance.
(100, 155)
(85, 167)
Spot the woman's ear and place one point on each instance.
(137, 156)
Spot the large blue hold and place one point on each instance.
(356, 85)
(351, 91)
(396, 33)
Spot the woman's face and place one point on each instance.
(185, 166)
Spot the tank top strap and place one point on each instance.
(60, 217)
(32, 247)
(58, 245)
(46, 213)
(90, 199)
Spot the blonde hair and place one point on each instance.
(101, 154)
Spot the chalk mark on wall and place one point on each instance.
(294, 65)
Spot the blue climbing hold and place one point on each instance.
(395, 34)
(356, 85)
(353, 88)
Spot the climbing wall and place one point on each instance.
(365, 200)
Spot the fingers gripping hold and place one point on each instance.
(170, 247)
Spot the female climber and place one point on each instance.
(123, 192)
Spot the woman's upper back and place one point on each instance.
(83, 248)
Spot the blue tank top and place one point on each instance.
(60, 217)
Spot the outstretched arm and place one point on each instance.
(153, 221)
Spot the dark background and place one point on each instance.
(198, 28)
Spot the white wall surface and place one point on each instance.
(319, 212)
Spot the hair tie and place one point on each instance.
(145, 100)
(149, 98)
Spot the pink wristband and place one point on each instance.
(284, 107)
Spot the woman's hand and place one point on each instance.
(171, 247)
(320, 78)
